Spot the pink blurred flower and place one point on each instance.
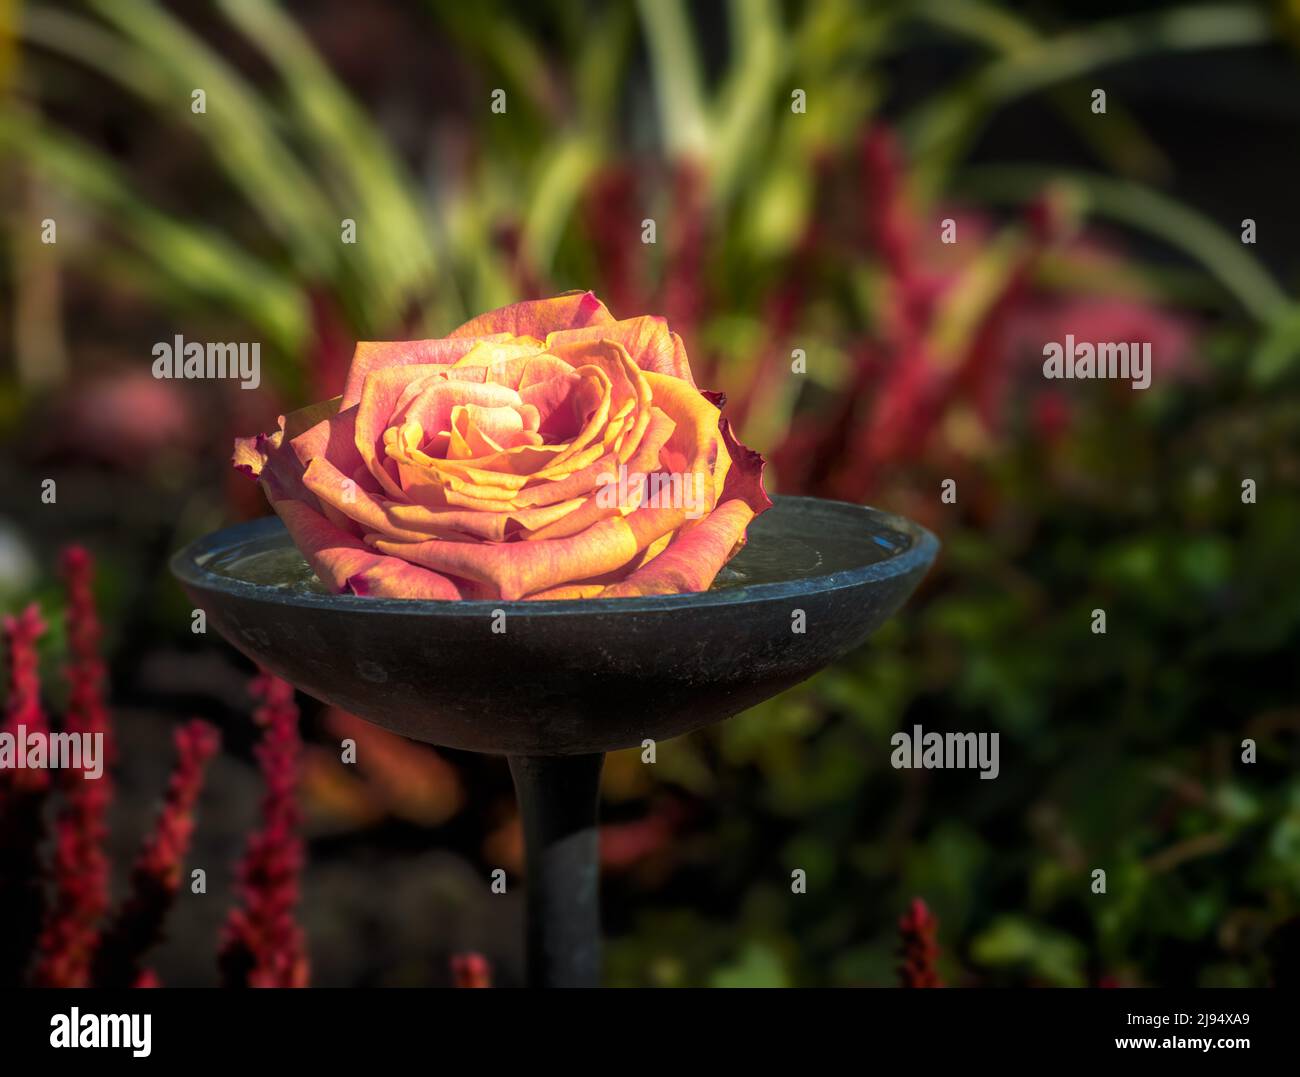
(470, 970)
(1104, 319)
(624, 845)
(124, 419)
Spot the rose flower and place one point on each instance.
(544, 450)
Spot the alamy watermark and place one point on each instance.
(1080, 359)
(919, 750)
(661, 490)
(193, 360)
(77, 1029)
(37, 750)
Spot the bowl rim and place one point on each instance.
(188, 566)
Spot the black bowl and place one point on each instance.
(580, 676)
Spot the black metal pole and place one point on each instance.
(558, 803)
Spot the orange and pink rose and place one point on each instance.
(544, 450)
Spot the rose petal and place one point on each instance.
(399, 446)
(266, 457)
(433, 408)
(527, 370)
(557, 419)
(249, 458)
(693, 448)
(745, 477)
(379, 396)
(417, 523)
(681, 364)
(491, 353)
(344, 496)
(334, 439)
(344, 563)
(692, 559)
(658, 431)
(372, 355)
(594, 585)
(630, 392)
(569, 590)
(578, 482)
(485, 430)
(646, 339)
(494, 526)
(517, 569)
(591, 402)
(538, 317)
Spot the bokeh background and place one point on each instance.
(776, 230)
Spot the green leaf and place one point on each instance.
(197, 258)
(1013, 941)
(757, 966)
(940, 130)
(393, 232)
(1146, 210)
(159, 59)
(675, 68)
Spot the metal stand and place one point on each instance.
(558, 803)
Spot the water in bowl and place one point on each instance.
(786, 543)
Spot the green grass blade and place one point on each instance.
(1145, 210)
(675, 69)
(393, 233)
(193, 257)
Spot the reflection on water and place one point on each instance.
(790, 542)
(272, 561)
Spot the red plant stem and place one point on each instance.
(919, 950)
(781, 310)
(897, 425)
(263, 945)
(684, 296)
(22, 796)
(891, 230)
(23, 704)
(509, 240)
(981, 374)
(809, 455)
(615, 229)
(330, 350)
(156, 874)
(71, 930)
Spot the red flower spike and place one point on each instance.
(470, 970)
(70, 933)
(614, 219)
(22, 796)
(919, 951)
(23, 705)
(263, 945)
(157, 872)
(684, 296)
